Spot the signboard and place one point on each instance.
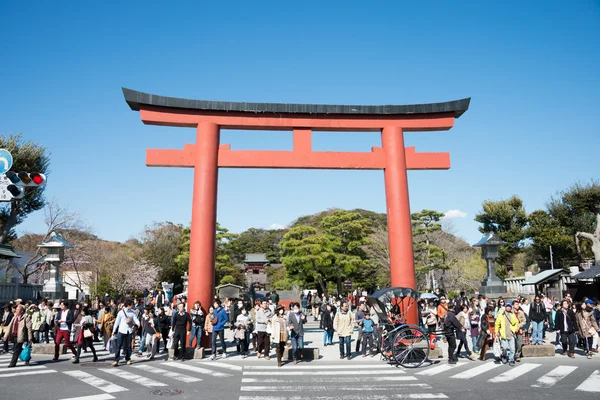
(4, 194)
(6, 161)
(348, 284)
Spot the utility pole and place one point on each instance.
(551, 258)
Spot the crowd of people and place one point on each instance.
(505, 326)
(470, 326)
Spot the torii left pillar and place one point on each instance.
(204, 216)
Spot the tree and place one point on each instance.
(27, 156)
(224, 264)
(56, 218)
(428, 256)
(544, 231)
(307, 256)
(162, 243)
(257, 241)
(377, 272)
(508, 219)
(348, 233)
(578, 210)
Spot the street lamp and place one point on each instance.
(490, 244)
(55, 246)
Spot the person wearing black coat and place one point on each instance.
(451, 325)
(164, 323)
(327, 324)
(6, 318)
(565, 323)
(537, 315)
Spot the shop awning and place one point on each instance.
(542, 277)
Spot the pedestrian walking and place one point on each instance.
(220, 318)
(20, 332)
(85, 334)
(565, 323)
(344, 326)
(63, 323)
(263, 317)
(279, 333)
(123, 329)
(588, 328)
(181, 321)
(296, 321)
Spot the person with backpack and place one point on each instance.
(220, 318)
(198, 320)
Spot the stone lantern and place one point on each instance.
(54, 246)
(490, 244)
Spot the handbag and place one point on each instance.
(497, 349)
(158, 335)
(25, 353)
(87, 333)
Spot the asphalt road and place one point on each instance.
(252, 379)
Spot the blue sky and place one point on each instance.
(531, 69)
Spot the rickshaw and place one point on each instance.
(401, 343)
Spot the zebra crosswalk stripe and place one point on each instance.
(319, 367)
(23, 373)
(96, 382)
(439, 369)
(222, 365)
(140, 380)
(478, 370)
(295, 372)
(103, 396)
(554, 376)
(354, 379)
(591, 384)
(421, 396)
(169, 374)
(392, 386)
(514, 372)
(198, 370)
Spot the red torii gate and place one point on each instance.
(208, 155)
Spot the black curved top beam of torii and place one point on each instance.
(136, 99)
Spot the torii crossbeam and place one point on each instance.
(207, 155)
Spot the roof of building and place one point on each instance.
(136, 99)
(258, 278)
(256, 257)
(591, 273)
(8, 251)
(542, 277)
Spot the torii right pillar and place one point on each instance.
(402, 266)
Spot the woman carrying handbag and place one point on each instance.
(84, 334)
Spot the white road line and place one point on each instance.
(223, 365)
(514, 373)
(169, 374)
(198, 370)
(21, 367)
(103, 396)
(393, 386)
(554, 376)
(421, 396)
(294, 372)
(140, 380)
(439, 369)
(336, 367)
(333, 379)
(45, 371)
(480, 369)
(345, 397)
(98, 383)
(591, 384)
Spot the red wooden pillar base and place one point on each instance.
(204, 218)
(402, 267)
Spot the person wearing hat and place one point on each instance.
(588, 328)
(507, 325)
(279, 332)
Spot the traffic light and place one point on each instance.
(17, 192)
(32, 179)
